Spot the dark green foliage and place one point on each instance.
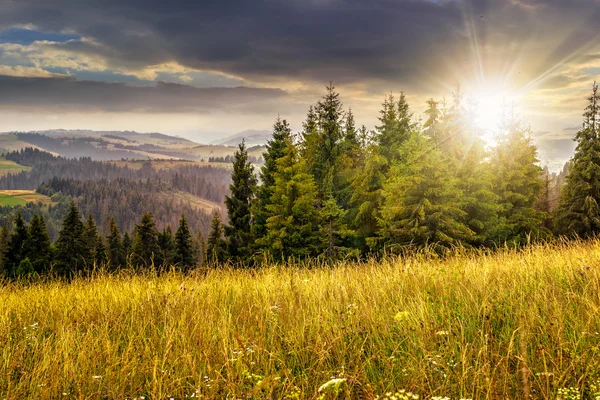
(90, 237)
(38, 247)
(17, 245)
(127, 243)
(4, 240)
(478, 200)
(199, 249)
(282, 135)
(323, 141)
(239, 205)
(145, 248)
(71, 246)
(100, 252)
(184, 252)
(579, 210)
(216, 247)
(24, 269)
(293, 228)
(517, 182)
(422, 201)
(167, 247)
(395, 128)
(116, 251)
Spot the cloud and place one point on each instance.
(26, 72)
(72, 94)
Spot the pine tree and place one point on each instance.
(275, 148)
(239, 204)
(200, 249)
(184, 256)
(38, 247)
(578, 211)
(127, 243)
(17, 245)
(367, 198)
(100, 252)
(293, 228)
(517, 182)
(90, 235)
(422, 201)
(116, 251)
(4, 243)
(395, 128)
(478, 200)
(216, 247)
(145, 249)
(432, 124)
(323, 135)
(71, 246)
(167, 247)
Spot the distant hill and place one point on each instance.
(252, 137)
(116, 145)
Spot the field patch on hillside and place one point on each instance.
(22, 197)
(7, 166)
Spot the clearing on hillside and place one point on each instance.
(7, 166)
(21, 197)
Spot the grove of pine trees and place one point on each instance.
(334, 191)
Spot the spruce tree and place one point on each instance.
(17, 245)
(71, 246)
(396, 127)
(4, 241)
(422, 201)
(578, 211)
(145, 249)
(38, 247)
(293, 228)
(239, 205)
(517, 183)
(274, 151)
(115, 253)
(184, 255)
(367, 198)
(90, 235)
(200, 249)
(127, 243)
(167, 247)
(478, 200)
(100, 252)
(216, 247)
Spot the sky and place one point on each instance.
(207, 69)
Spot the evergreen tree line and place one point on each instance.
(80, 248)
(229, 159)
(335, 190)
(203, 181)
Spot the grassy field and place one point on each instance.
(22, 197)
(508, 325)
(11, 167)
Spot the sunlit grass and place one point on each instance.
(495, 326)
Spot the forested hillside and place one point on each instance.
(335, 191)
(107, 191)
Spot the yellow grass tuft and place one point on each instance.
(506, 325)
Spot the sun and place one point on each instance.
(491, 104)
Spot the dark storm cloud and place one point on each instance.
(164, 97)
(344, 40)
(384, 43)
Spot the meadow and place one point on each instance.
(21, 197)
(11, 167)
(511, 324)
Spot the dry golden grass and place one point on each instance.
(506, 325)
